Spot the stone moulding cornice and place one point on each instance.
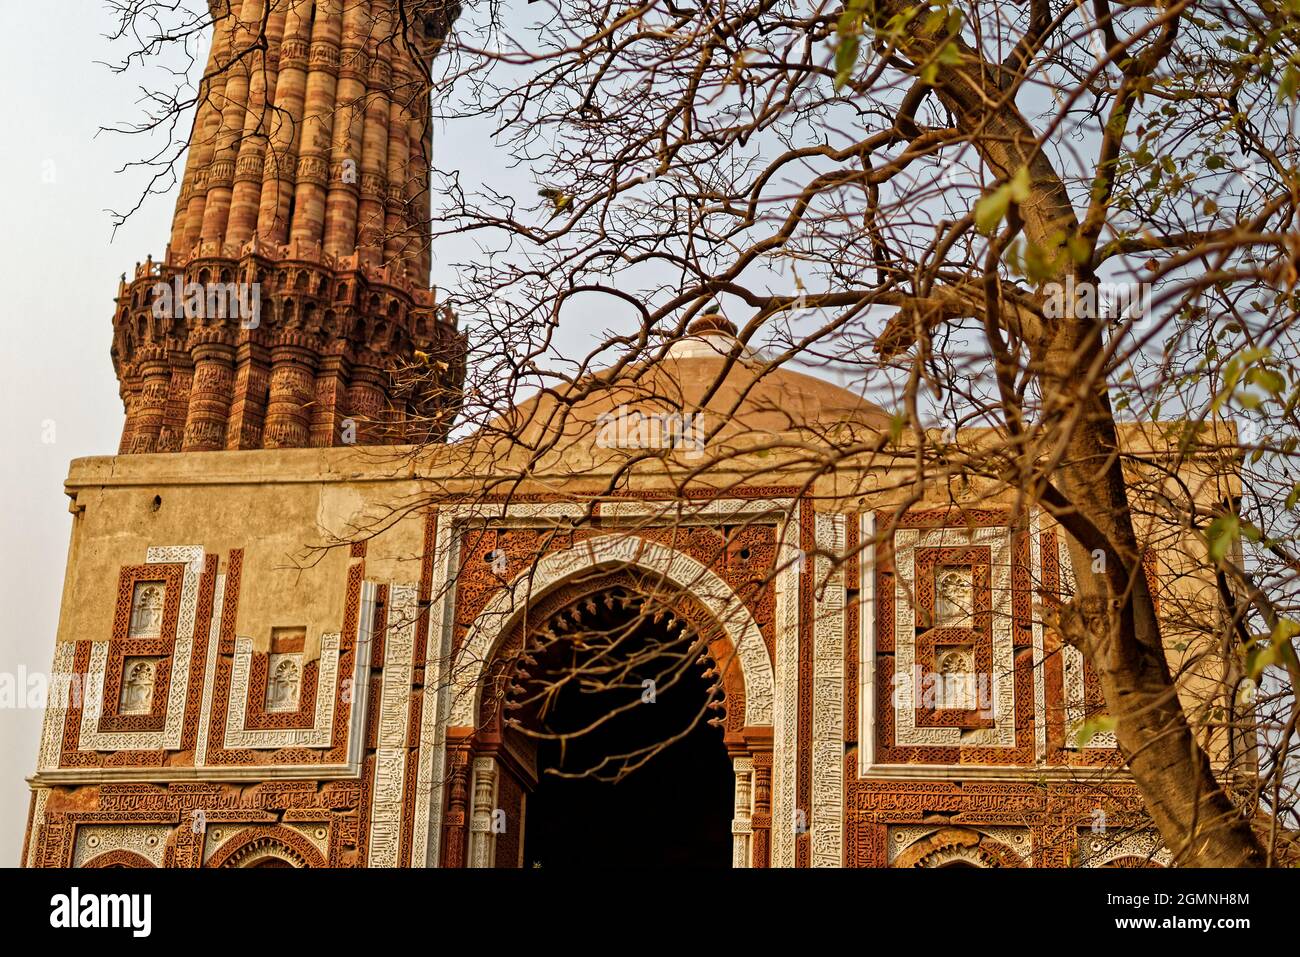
(203, 775)
(285, 309)
(1007, 773)
(370, 465)
(260, 252)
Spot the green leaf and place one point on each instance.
(1020, 185)
(935, 19)
(1290, 82)
(1293, 496)
(1269, 380)
(851, 17)
(1042, 263)
(1286, 630)
(897, 422)
(846, 58)
(1093, 727)
(992, 209)
(1223, 531)
(1079, 251)
(1260, 657)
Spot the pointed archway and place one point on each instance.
(527, 793)
(620, 706)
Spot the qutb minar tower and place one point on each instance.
(299, 248)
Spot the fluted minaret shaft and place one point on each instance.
(212, 90)
(371, 214)
(399, 163)
(245, 26)
(308, 224)
(204, 110)
(344, 189)
(313, 124)
(280, 166)
(249, 167)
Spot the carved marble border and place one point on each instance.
(34, 839)
(318, 736)
(228, 699)
(278, 840)
(1072, 669)
(653, 513)
(63, 686)
(218, 697)
(1097, 850)
(147, 840)
(867, 766)
(827, 818)
(906, 543)
(392, 727)
(169, 738)
(210, 672)
(159, 646)
(785, 712)
(1018, 840)
(866, 642)
(219, 834)
(431, 761)
(1039, 641)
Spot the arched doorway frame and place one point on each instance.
(957, 845)
(120, 858)
(580, 590)
(626, 551)
(472, 769)
(255, 844)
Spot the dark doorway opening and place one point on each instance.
(674, 810)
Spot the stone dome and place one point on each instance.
(697, 374)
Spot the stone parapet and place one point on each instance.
(272, 346)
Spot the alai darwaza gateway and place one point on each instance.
(396, 699)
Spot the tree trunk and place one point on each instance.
(1113, 619)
